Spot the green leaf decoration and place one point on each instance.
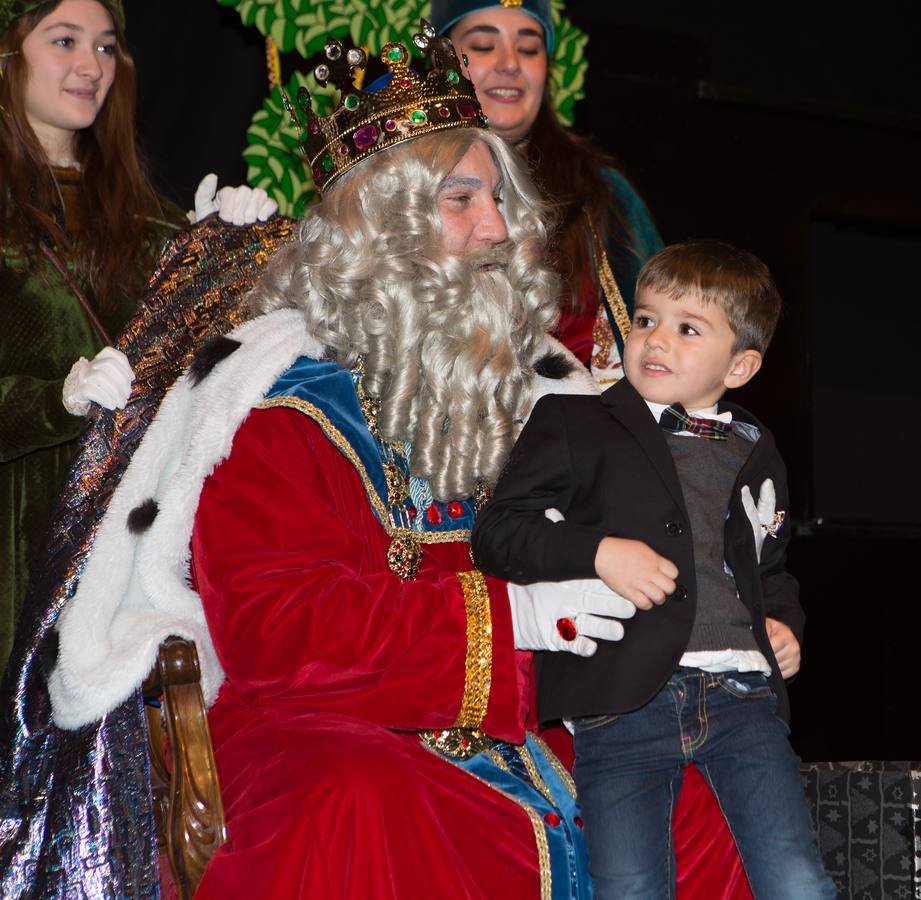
(273, 156)
(275, 161)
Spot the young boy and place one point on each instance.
(653, 481)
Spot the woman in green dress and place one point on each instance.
(80, 229)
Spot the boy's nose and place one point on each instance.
(655, 337)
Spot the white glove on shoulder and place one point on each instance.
(241, 205)
(761, 516)
(105, 380)
(588, 603)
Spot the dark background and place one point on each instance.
(793, 130)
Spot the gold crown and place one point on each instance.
(366, 122)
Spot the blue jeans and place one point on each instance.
(629, 769)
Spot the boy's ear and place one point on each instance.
(743, 368)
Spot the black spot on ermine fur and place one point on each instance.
(209, 356)
(141, 517)
(553, 365)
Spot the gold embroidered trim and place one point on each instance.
(458, 743)
(478, 665)
(499, 761)
(609, 284)
(603, 338)
(536, 780)
(337, 438)
(558, 767)
(543, 853)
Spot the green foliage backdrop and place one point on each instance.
(273, 156)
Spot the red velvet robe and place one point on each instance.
(332, 662)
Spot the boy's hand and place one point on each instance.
(635, 571)
(785, 647)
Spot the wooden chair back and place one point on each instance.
(188, 809)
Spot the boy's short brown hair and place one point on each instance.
(734, 278)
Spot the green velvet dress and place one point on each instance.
(43, 331)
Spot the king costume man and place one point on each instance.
(301, 507)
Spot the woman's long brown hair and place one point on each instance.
(568, 169)
(115, 201)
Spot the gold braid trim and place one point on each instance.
(558, 767)
(543, 853)
(609, 284)
(478, 665)
(529, 764)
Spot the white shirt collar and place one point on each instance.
(707, 413)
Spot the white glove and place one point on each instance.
(540, 610)
(239, 206)
(105, 380)
(761, 517)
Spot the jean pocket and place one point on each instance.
(746, 687)
(590, 723)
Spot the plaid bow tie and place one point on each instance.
(675, 418)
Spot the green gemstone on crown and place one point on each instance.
(327, 163)
(453, 77)
(394, 54)
(418, 117)
(351, 102)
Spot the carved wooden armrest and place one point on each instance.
(187, 796)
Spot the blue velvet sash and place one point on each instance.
(506, 769)
(326, 392)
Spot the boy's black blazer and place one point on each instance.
(604, 463)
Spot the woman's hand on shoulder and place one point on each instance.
(106, 380)
(240, 205)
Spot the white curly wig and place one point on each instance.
(446, 340)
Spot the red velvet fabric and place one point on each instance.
(576, 326)
(330, 662)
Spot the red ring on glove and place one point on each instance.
(566, 629)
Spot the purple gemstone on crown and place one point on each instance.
(390, 125)
(314, 128)
(366, 137)
(466, 109)
(344, 149)
(404, 82)
(444, 112)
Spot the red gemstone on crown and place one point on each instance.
(466, 109)
(444, 112)
(314, 128)
(455, 510)
(405, 82)
(434, 515)
(552, 819)
(366, 137)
